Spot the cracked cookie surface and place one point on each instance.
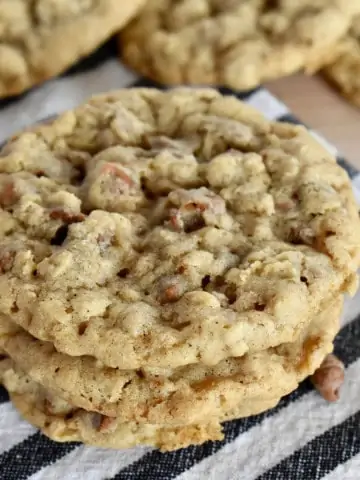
(235, 43)
(41, 38)
(344, 72)
(160, 229)
(187, 395)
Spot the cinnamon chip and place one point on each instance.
(329, 377)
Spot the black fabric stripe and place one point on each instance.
(5, 102)
(242, 95)
(30, 455)
(289, 118)
(166, 466)
(4, 397)
(347, 342)
(350, 169)
(146, 83)
(104, 52)
(322, 455)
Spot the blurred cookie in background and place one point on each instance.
(235, 43)
(42, 38)
(344, 73)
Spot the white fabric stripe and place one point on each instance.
(356, 194)
(356, 187)
(279, 436)
(90, 463)
(356, 181)
(13, 429)
(349, 470)
(61, 94)
(270, 106)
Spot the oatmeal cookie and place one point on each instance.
(41, 38)
(235, 43)
(344, 72)
(186, 395)
(160, 229)
(61, 422)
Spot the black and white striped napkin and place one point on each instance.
(303, 438)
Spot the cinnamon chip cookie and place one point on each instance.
(344, 72)
(235, 43)
(63, 421)
(186, 395)
(161, 229)
(41, 38)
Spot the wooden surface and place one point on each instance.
(322, 109)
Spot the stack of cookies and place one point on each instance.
(169, 261)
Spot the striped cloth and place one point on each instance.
(303, 438)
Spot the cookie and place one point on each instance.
(161, 229)
(344, 72)
(40, 39)
(235, 43)
(62, 422)
(187, 395)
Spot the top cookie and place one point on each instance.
(41, 38)
(235, 43)
(151, 228)
(345, 71)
